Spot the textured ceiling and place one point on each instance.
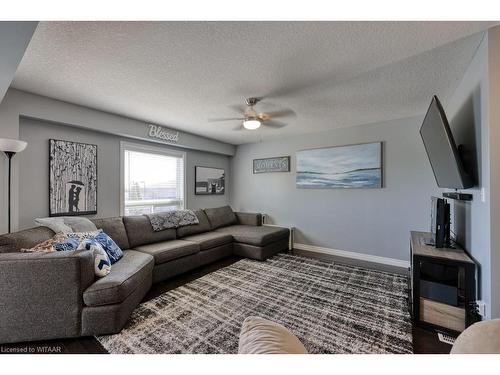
(179, 74)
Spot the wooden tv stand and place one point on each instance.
(442, 286)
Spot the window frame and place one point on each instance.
(150, 149)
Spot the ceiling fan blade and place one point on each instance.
(226, 119)
(271, 115)
(274, 124)
(238, 108)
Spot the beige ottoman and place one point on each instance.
(261, 336)
(480, 338)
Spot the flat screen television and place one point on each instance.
(441, 149)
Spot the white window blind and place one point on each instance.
(153, 180)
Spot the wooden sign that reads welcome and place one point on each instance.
(268, 165)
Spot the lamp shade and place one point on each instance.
(12, 145)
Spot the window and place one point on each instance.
(152, 179)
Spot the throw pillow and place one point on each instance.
(80, 236)
(46, 246)
(110, 247)
(79, 224)
(68, 244)
(102, 264)
(66, 224)
(55, 223)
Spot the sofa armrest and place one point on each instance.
(247, 218)
(41, 294)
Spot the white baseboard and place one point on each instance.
(350, 254)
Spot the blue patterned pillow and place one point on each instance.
(80, 236)
(68, 244)
(102, 264)
(110, 247)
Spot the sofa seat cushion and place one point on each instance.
(255, 235)
(210, 240)
(125, 277)
(168, 250)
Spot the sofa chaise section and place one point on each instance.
(109, 301)
(257, 242)
(256, 236)
(250, 238)
(126, 276)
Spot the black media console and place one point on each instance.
(442, 286)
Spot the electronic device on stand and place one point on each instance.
(440, 223)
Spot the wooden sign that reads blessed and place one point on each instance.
(159, 132)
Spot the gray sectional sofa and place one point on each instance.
(55, 295)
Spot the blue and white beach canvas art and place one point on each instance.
(347, 167)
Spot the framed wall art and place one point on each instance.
(209, 181)
(72, 178)
(347, 167)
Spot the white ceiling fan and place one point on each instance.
(252, 119)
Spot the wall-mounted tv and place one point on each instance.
(441, 149)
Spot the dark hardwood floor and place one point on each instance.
(424, 342)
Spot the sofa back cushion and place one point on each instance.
(114, 228)
(220, 217)
(140, 232)
(202, 227)
(24, 239)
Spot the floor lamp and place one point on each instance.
(11, 147)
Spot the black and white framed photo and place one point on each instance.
(72, 178)
(209, 181)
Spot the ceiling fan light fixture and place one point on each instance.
(251, 124)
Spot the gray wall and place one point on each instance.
(494, 120)
(369, 221)
(34, 173)
(469, 120)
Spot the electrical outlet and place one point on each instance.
(481, 308)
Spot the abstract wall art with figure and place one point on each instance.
(72, 178)
(209, 181)
(346, 167)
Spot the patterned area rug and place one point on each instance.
(332, 308)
